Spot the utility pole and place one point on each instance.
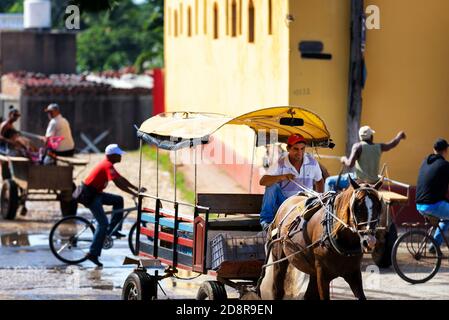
(355, 73)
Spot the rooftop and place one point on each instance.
(29, 83)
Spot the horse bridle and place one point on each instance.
(369, 190)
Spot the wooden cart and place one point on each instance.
(25, 181)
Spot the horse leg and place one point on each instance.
(355, 282)
(279, 274)
(323, 283)
(312, 290)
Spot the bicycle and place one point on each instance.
(71, 237)
(412, 257)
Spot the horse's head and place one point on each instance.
(365, 208)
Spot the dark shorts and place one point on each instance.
(68, 153)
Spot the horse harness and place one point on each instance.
(328, 238)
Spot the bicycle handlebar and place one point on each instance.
(134, 198)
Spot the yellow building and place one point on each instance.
(234, 56)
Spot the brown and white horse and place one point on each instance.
(328, 246)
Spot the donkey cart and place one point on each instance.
(194, 237)
(25, 181)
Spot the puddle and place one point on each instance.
(23, 239)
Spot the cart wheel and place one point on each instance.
(382, 253)
(140, 286)
(6, 174)
(9, 199)
(212, 290)
(68, 205)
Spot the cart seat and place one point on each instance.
(242, 210)
(393, 197)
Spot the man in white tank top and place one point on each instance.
(365, 157)
(60, 127)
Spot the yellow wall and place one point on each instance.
(408, 80)
(407, 64)
(227, 75)
(321, 85)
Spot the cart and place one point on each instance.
(229, 248)
(386, 232)
(25, 181)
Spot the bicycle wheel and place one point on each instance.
(132, 238)
(411, 257)
(70, 239)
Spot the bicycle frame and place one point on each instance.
(430, 232)
(126, 212)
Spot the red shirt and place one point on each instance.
(101, 175)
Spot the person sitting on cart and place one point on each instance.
(288, 176)
(58, 126)
(432, 188)
(12, 143)
(95, 183)
(365, 156)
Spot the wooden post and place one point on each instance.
(355, 74)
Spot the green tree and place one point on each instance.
(123, 35)
(114, 33)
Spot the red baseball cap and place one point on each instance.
(295, 138)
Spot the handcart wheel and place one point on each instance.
(212, 290)
(140, 286)
(68, 205)
(382, 252)
(9, 199)
(6, 173)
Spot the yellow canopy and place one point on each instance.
(174, 130)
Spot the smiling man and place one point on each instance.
(282, 179)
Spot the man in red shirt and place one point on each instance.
(96, 182)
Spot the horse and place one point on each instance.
(328, 245)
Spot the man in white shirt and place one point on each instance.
(60, 127)
(282, 179)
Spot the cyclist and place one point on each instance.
(94, 185)
(432, 187)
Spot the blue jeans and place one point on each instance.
(103, 226)
(331, 182)
(272, 200)
(439, 210)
